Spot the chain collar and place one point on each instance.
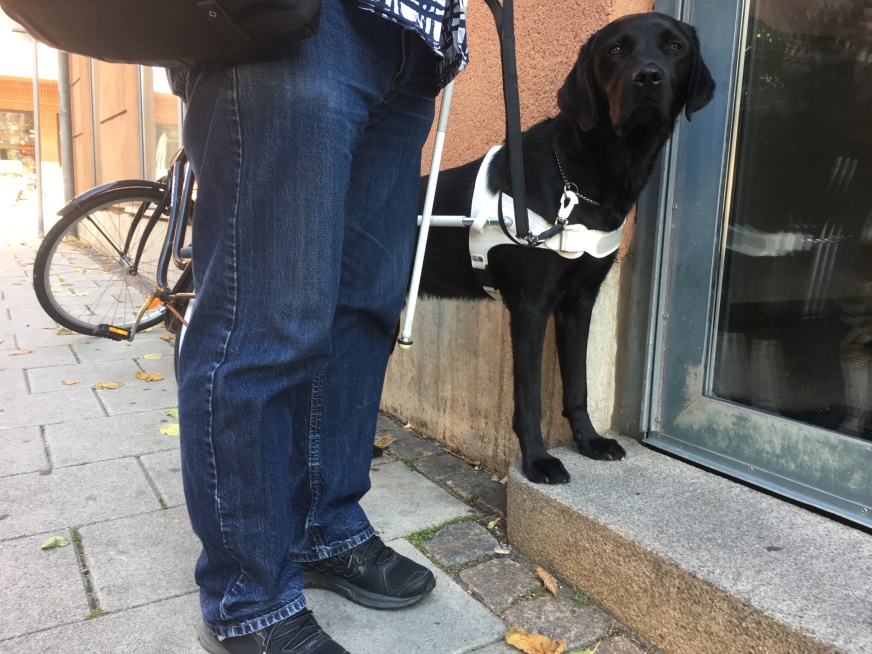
(569, 186)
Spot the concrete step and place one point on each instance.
(695, 563)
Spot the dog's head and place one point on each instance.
(638, 70)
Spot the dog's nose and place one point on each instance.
(648, 75)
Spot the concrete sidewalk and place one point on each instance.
(92, 465)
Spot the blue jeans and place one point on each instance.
(308, 163)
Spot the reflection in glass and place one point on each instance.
(795, 320)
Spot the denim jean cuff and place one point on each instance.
(336, 548)
(250, 626)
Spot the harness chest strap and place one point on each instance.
(571, 242)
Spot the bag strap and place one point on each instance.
(504, 17)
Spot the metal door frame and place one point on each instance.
(675, 277)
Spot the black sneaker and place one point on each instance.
(299, 634)
(371, 574)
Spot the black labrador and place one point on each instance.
(618, 107)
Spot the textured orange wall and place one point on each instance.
(548, 36)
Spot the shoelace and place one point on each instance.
(373, 548)
(295, 633)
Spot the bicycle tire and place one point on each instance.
(83, 276)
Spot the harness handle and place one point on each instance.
(504, 17)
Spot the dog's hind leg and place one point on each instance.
(528, 336)
(572, 329)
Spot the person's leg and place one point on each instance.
(380, 231)
(271, 141)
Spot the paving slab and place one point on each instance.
(49, 408)
(165, 471)
(141, 559)
(499, 583)
(23, 451)
(497, 648)
(166, 627)
(41, 588)
(618, 645)
(459, 544)
(30, 338)
(559, 619)
(45, 380)
(106, 350)
(137, 396)
(402, 501)
(478, 488)
(87, 441)
(32, 317)
(12, 383)
(38, 357)
(448, 621)
(440, 466)
(70, 497)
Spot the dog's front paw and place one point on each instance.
(547, 470)
(602, 449)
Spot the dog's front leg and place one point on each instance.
(528, 336)
(572, 329)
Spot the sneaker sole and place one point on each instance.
(359, 596)
(208, 641)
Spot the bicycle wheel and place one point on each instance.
(89, 270)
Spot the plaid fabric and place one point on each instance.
(441, 23)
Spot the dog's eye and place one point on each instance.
(615, 50)
(674, 46)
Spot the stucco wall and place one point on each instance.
(455, 383)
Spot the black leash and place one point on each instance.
(504, 17)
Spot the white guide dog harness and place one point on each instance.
(485, 233)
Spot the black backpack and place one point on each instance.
(167, 33)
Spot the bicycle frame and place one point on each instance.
(179, 196)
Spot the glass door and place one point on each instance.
(762, 357)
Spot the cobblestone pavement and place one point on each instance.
(100, 468)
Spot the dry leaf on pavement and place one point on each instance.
(53, 542)
(149, 376)
(153, 356)
(548, 580)
(384, 442)
(172, 413)
(19, 351)
(69, 382)
(171, 429)
(110, 385)
(534, 643)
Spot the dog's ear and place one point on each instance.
(701, 87)
(577, 97)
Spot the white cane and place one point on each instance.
(405, 339)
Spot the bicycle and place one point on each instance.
(115, 264)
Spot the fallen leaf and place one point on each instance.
(168, 337)
(172, 413)
(493, 523)
(548, 580)
(384, 442)
(110, 385)
(53, 542)
(170, 429)
(19, 351)
(63, 331)
(74, 294)
(69, 382)
(149, 376)
(152, 356)
(534, 643)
